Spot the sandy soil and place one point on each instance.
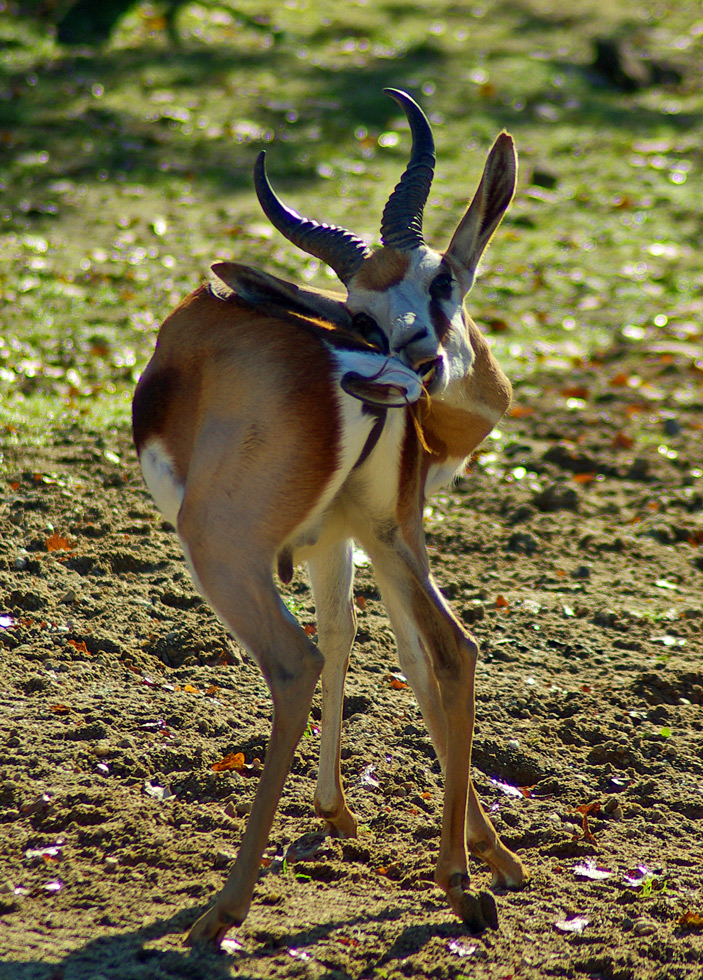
(574, 552)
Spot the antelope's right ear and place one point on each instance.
(262, 289)
(484, 214)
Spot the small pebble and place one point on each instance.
(644, 927)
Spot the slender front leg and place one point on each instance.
(331, 576)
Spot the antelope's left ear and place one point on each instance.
(484, 214)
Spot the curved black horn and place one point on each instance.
(401, 225)
(337, 247)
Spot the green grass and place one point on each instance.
(126, 171)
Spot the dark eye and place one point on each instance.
(441, 286)
(368, 328)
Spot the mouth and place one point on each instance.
(429, 373)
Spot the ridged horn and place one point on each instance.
(401, 225)
(338, 248)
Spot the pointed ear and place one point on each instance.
(484, 214)
(260, 288)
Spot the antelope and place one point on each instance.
(276, 424)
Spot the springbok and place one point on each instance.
(275, 424)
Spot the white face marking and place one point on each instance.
(403, 312)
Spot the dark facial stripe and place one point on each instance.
(440, 321)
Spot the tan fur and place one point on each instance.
(455, 427)
(229, 363)
(383, 270)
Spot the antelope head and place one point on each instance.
(405, 299)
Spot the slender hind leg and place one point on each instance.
(331, 575)
(508, 870)
(250, 605)
(439, 659)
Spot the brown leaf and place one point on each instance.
(233, 760)
(397, 682)
(691, 920)
(79, 645)
(58, 543)
(623, 441)
(576, 391)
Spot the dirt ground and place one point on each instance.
(574, 552)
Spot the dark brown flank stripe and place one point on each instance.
(152, 403)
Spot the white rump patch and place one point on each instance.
(160, 477)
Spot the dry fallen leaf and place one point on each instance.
(397, 681)
(461, 948)
(622, 441)
(577, 924)
(79, 645)
(233, 760)
(585, 809)
(156, 791)
(691, 920)
(58, 543)
(576, 391)
(509, 790)
(521, 411)
(589, 869)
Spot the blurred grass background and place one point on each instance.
(125, 171)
